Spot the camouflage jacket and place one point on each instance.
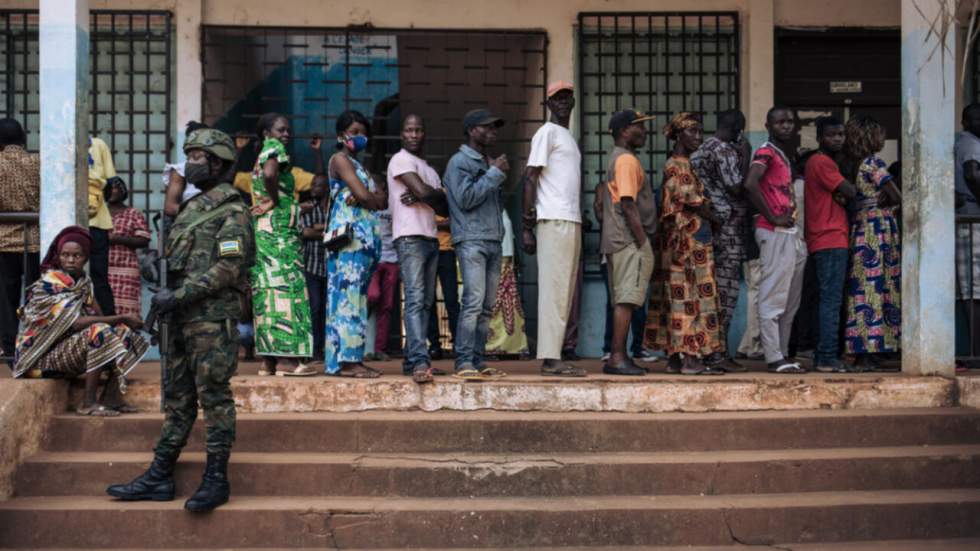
(209, 251)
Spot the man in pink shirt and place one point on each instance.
(415, 195)
(782, 254)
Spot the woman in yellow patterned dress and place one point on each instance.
(683, 314)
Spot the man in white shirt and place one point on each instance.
(553, 218)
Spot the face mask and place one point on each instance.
(356, 143)
(196, 173)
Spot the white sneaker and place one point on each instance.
(648, 356)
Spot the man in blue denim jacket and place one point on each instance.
(473, 183)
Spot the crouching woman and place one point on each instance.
(63, 334)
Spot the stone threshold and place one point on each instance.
(650, 394)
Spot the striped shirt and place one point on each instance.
(314, 251)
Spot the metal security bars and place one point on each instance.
(660, 63)
(131, 89)
(311, 75)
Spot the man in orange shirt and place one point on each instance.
(629, 220)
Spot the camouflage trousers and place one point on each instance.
(203, 356)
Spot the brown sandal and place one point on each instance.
(358, 371)
(422, 375)
(97, 410)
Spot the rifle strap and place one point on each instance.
(220, 211)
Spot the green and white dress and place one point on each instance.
(280, 305)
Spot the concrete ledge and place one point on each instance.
(26, 408)
(969, 391)
(654, 393)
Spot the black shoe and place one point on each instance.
(156, 484)
(625, 368)
(214, 489)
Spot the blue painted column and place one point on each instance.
(64, 82)
(928, 245)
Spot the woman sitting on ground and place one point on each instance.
(64, 334)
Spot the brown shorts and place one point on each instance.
(630, 271)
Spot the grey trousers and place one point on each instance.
(782, 257)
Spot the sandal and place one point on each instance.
(302, 370)
(358, 371)
(469, 374)
(786, 367)
(98, 410)
(492, 373)
(422, 375)
(563, 370)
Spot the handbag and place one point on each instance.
(338, 238)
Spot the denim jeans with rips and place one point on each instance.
(418, 257)
(831, 268)
(479, 263)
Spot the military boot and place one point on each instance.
(156, 484)
(214, 488)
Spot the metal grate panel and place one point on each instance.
(132, 81)
(659, 62)
(312, 75)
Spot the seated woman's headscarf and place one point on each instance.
(679, 123)
(71, 234)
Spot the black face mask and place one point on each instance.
(197, 173)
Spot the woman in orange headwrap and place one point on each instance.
(683, 314)
(64, 334)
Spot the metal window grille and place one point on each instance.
(660, 63)
(311, 75)
(131, 93)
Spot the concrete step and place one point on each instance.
(653, 393)
(340, 522)
(492, 432)
(958, 544)
(527, 475)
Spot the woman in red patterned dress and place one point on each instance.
(129, 233)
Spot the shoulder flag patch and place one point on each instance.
(230, 248)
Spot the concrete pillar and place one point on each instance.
(928, 122)
(758, 61)
(189, 70)
(64, 83)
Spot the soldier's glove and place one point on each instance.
(164, 301)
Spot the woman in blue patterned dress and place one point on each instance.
(354, 202)
(873, 301)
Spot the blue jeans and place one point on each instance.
(417, 260)
(479, 263)
(831, 267)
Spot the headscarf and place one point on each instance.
(71, 234)
(679, 123)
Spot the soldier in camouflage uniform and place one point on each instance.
(209, 250)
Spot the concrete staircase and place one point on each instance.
(803, 480)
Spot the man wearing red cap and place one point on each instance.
(553, 218)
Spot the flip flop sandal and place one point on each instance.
(266, 373)
(492, 373)
(788, 368)
(470, 375)
(302, 370)
(360, 371)
(422, 376)
(98, 411)
(126, 408)
(563, 371)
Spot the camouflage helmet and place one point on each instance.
(213, 141)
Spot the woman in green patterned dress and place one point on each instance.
(281, 308)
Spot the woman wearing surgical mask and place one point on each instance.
(283, 330)
(354, 202)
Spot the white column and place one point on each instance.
(928, 121)
(64, 83)
(189, 69)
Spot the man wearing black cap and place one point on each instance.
(473, 182)
(629, 220)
